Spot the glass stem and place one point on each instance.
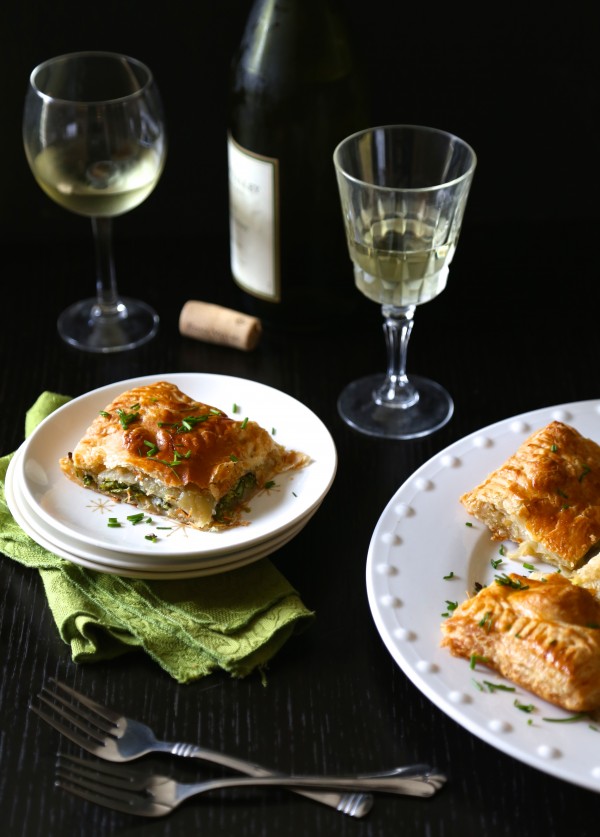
(396, 390)
(107, 297)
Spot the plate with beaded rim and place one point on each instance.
(424, 532)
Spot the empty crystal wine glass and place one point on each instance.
(94, 138)
(403, 191)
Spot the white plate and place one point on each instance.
(82, 515)
(36, 527)
(420, 538)
(116, 563)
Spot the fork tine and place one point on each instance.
(88, 783)
(76, 718)
(356, 804)
(83, 741)
(103, 711)
(86, 717)
(103, 717)
(131, 805)
(106, 773)
(126, 803)
(91, 780)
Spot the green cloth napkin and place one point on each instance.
(235, 621)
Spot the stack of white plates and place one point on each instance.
(73, 522)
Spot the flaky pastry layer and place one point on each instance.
(543, 635)
(155, 447)
(546, 495)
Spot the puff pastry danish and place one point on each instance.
(164, 452)
(542, 635)
(546, 496)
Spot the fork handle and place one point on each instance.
(346, 802)
(423, 786)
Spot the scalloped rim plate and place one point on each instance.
(421, 539)
(82, 515)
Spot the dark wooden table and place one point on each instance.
(503, 340)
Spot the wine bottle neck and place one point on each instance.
(295, 39)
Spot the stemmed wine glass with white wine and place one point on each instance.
(95, 140)
(403, 191)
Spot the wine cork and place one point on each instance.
(215, 324)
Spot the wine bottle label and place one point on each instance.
(254, 221)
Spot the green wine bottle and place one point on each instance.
(296, 91)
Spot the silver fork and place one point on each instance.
(114, 737)
(150, 795)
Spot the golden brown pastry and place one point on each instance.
(542, 635)
(588, 576)
(160, 450)
(546, 496)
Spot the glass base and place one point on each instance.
(83, 326)
(433, 410)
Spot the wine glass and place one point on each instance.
(94, 138)
(403, 192)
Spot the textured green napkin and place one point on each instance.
(235, 621)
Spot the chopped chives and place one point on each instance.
(136, 518)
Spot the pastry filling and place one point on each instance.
(178, 502)
(157, 449)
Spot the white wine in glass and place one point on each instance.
(95, 140)
(403, 191)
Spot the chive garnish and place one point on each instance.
(509, 582)
(127, 418)
(524, 707)
(498, 687)
(152, 449)
(571, 719)
(135, 518)
(476, 658)
(187, 424)
(486, 620)
(493, 687)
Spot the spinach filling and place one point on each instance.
(226, 506)
(116, 487)
(234, 498)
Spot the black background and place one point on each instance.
(518, 81)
